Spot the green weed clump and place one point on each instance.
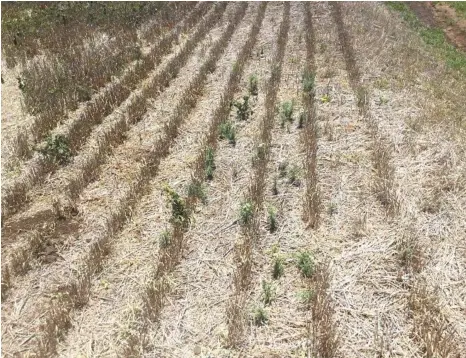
(209, 163)
(278, 268)
(228, 131)
(260, 316)
(272, 219)
(305, 263)
(57, 149)
(246, 213)
(243, 111)
(286, 112)
(253, 85)
(308, 81)
(179, 211)
(165, 239)
(196, 190)
(268, 292)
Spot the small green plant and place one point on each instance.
(286, 112)
(308, 80)
(196, 190)
(325, 98)
(57, 149)
(246, 213)
(228, 131)
(382, 101)
(253, 85)
(272, 219)
(260, 316)
(179, 210)
(268, 292)
(278, 268)
(306, 296)
(209, 163)
(332, 208)
(165, 239)
(243, 111)
(305, 263)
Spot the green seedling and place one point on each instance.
(272, 219)
(228, 131)
(305, 263)
(246, 213)
(268, 292)
(253, 85)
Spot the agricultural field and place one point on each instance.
(232, 179)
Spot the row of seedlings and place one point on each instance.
(84, 169)
(73, 290)
(64, 143)
(157, 288)
(251, 206)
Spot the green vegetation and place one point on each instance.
(433, 36)
(278, 267)
(306, 296)
(209, 163)
(286, 112)
(228, 131)
(246, 213)
(272, 219)
(260, 316)
(268, 292)
(243, 111)
(253, 85)
(165, 239)
(196, 190)
(179, 211)
(57, 149)
(308, 80)
(305, 263)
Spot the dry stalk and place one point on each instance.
(255, 193)
(14, 196)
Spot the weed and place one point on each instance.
(165, 239)
(228, 131)
(305, 263)
(278, 268)
(272, 219)
(246, 212)
(286, 112)
(253, 85)
(209, 163)
(274, 187)
(325, 98)
(57, 149)
(382, 101)
(306, 296)
(260, 316)
(179, 210)
(308, 81)
(268, 292)
(197, 190)
(243, 111)
(332, 208)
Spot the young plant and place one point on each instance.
(286, 112)
(306, 296)
(308, 81)
(260, 316)
(246, 213)
(278, 267)
(302, 120)
(57, 149)
(228, 131)
(282, 168)
(268, 292)
(209, 163)
(272, 219)
(325, 98)
(253, 85)
(243, 111)
(305, 263)
(165, 239)
(179, 210)
(196, 190)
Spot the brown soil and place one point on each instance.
(444, 17)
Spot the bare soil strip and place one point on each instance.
(74, 288)
(52, 216)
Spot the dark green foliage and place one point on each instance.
(209, 163)
(243, 111)
(57, 149)
(228, 131)
(305, 263)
